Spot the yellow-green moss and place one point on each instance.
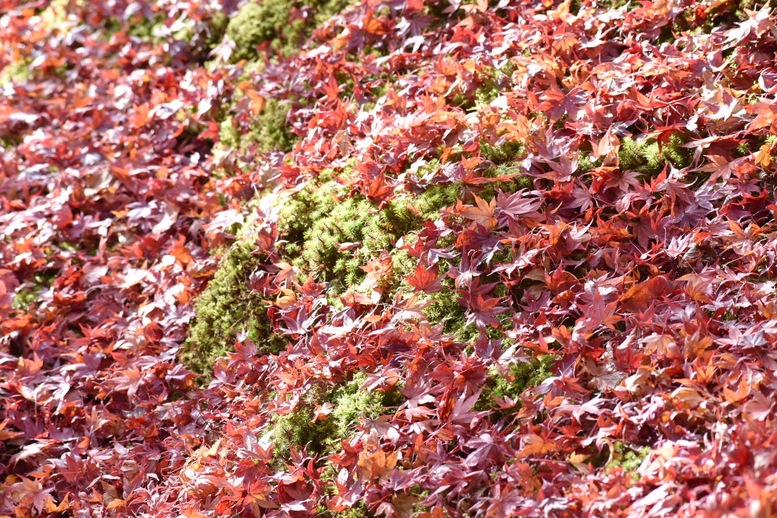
(229, 137)
(204, 35)
(257, 22)
(147, 29)
(521, 376)
(226, 307)
(269, 131)
(332, 236)
(359, 510)
(263, 21)
(627, 459)
(351, 403)
(586, 163)
(27, 293)
(16, 72)
(678, 156)
(648, 158)
(642, 156)
(444, 307)
(495, 82)
(297, 429)
(503, 153)
(439, 196)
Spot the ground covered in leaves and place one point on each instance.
(388, 258)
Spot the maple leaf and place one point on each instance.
(426, 279)
(482, 213)
(532, 444)
(766, 116)
(517, 205)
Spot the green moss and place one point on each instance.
(204, 35)
(444, 307)
(226, 307)
(491, 82)
(507, 152)
(228, 134)
(678, 156)
(586, 163)
(359, 510)
(351, 403)
(297, 429)
(332, 237)
(742, 149)
(616, 4)
(26, 294)
(435, 198)
(495, 81)
(643, 157)
(521, 376)
(270, 21)
(257, 22)
(269, 131)
(16, 72)
(627, 459)
(147, 29)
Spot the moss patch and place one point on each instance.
(642, 156)
(204, 35)
(269, 131)
(521, 376)
(678, 156)
(586, 163)
(444, 307)
(27, 293)
(16, 72)
(351, 403)
(278, 24)
(507, 152)
(227, 306)
(332, 237)
(648, 158)
(628, 459)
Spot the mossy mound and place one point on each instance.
(227, 307)
(28, 293)
(332, 236)
(506, 152)
(280, 24)
(642, 156)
